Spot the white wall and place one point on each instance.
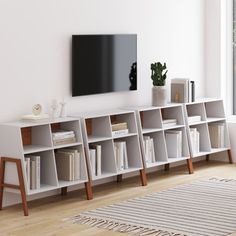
(35, 41)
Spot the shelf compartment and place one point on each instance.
(214, 109)
(36, 138)
(159, 149)
(48, 176)
(175, 112)
(150, 119)
(80, 171)
(196, 109)
(204, 140)
(128, 118)
(68, 126)
(98, 127)
(219, 140)
(134, 157)
(184, 148)
(108, 165)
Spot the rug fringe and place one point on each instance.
(223, 180)
(122, 227)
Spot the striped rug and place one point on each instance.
(202, 208)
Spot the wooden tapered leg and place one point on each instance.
(207, 157)
(64, 191)
(119, 178)
(230, 156)
(2, 171)
(143, 177)
(190, 166)
(89, 191)
(167, 167)
(22, 187)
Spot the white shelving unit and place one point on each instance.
(211, 112)
(21, 139)
(97, 130)
(151, 124)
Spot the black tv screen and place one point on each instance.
(103, 63)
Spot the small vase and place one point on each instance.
(159, 96)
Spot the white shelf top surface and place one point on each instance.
(123, 135)
(25, 123)
(203, 100)
(151, 130)
(35, 148)
(214, 119)
(96, 114)
(93, 139)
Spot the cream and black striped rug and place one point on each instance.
(206, 207)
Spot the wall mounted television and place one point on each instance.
(103, 63)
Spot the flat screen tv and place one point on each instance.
(103, 63)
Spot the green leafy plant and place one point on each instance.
(158, 74)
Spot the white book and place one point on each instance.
(126, 164)
(197, 144)
(153, 159)
(180, 90)
(120, 132)
(32, 174)
(174, 143)
(27, 161)
(166, 125)
(147, 148)
(166, 121)
(92, 155)
(192, 119)
(99, 159)
(37, 170)
(119, 155)
(216, 132)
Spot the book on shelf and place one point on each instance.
(115, 126)
(121, 155)
(192, 119)
(217, 135)
(169, 122)
(174, 143)
(120, 132)
(96, 158)
(35, 118)
(27, 166)
(63, 137)
(149, 150)
(195, 140)
(76, 161)
(182, 90)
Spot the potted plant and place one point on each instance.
(159, 93)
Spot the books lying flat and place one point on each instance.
(68, 163)
(120, 132)
(121, 155)
(63, 137)
(216, 132)
(195, 140)
(174, 143)
(95, 153)
(192, 119)
(149, 150)
(35, 118)
(169, 122)
(32, 164)
(119, 126)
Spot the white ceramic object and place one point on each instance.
(63, 109)
(159, 95)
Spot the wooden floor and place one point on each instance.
(46, 215)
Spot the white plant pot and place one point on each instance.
(159, 96)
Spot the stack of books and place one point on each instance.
(182, 90)
(95, 153)
(149, 149)
(119, 128)
(121, 155)
(63, 137)
(68, 163)
(32, 164)
(195, 140)
(217, 135)
(169, 122)
(193, 119)
(174, 143)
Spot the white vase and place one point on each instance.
(159, 96)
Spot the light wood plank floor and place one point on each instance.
(46, 215)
